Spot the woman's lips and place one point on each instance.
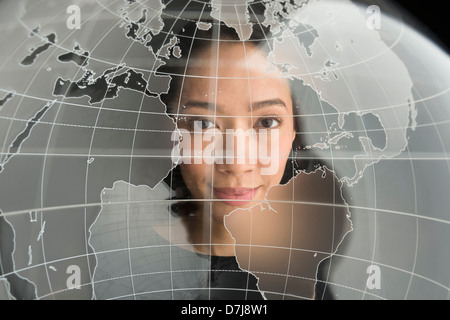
(235, 196)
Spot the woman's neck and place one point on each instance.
(208, 235)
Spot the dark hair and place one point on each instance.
(191, 41)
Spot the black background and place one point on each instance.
(431, 16)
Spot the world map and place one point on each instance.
(87, 147)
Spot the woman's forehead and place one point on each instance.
(233, 77)
(229, 97)
(233, 66)
(231, 60)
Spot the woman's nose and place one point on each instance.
(239, 153)
(235, 168)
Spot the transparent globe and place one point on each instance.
(87, 165)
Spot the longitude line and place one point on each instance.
(45, 157)
(178, 113)
(92, 141)
(253, 172)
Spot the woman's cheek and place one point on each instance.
(285, 148)
(196, 178)
(276, 153)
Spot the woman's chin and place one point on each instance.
(222, 208)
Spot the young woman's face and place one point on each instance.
(230, 97)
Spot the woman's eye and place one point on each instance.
(268, 123)
(203, 124)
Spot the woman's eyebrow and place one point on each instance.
(266, 103)
(253, 107)
(199, 104)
